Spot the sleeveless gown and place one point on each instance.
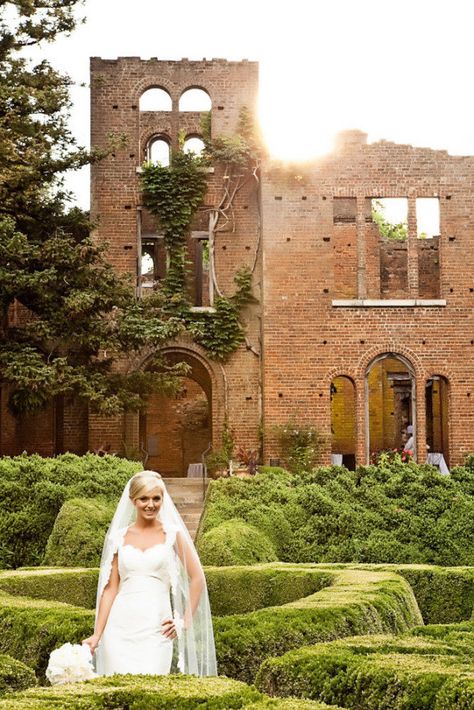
(132, 641)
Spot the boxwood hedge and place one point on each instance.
(235, 543)
(14, 675)
(375, 673)
(78, 532)
(165, 692)
(396, 513)
(33, 489)
(358, 601)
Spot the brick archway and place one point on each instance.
(175, 431)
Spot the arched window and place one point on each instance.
(155, 100)
(343, 422)
(158, 151)
(390, 403)
(193, 144)
(437, 417)
(195, 100)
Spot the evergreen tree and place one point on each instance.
(66, 317)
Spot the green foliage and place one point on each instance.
(358, 602)
(31, 629)
(300, 445)
(33, 489)
(78, 533)
(444, 595)
(239, 590)
(170, 692)
(49, 266)
(14, 675)
(71, 586)
(397, 232)
(174, 193)
(374, 673)
(395, 513)
(235, 542)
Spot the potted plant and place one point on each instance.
(248, 459)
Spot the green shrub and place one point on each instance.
(160, 692)
(444, 595)
(235, 542)
(239, 590)
(71, 586)
(78, 533)
(393, 513)
(31, 629)
(374, 673)
(33, 489)
(14, 675)
(358, 602)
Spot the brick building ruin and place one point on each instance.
(354, 333)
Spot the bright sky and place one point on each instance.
(399, 69)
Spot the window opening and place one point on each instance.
(193, 144)
(158, 152)
(390, 404)
(427, 217)
(343, 422)
(202, 296)
(195, 100)
(155, 100)
(437, 418)
(152, 261)
(390, 214)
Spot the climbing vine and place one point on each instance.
(173, 194)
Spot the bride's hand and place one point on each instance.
(92, 642)
(169, 629)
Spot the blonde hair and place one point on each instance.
(145, 481)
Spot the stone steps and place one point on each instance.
(187, 495)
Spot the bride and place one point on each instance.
(152, 611)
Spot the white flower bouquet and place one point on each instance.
(70, 663)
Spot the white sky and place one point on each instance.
(399, 69)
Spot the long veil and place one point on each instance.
(195, 650)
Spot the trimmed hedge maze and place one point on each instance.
(372, 673)
(160, 693)
(272, 622)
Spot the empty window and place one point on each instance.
(155, 100)
(193, 144)
(427, 217)
(152, 261)
(343, 422)
(195, 100)
(200, 258)
(390, 214)
(158, 151)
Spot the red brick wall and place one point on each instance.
(307, 340)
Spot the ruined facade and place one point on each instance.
(355, 332)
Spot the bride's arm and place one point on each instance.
(107, 599)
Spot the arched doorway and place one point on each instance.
(437, 415)
(390, 402)
(176, 430)
(343, 422)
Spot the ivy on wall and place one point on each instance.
(173, 194)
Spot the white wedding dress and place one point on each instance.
(132, 641)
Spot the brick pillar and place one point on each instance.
(361, 259)
(361, 421)
(412, 251)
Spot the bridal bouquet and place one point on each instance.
(70, 663)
